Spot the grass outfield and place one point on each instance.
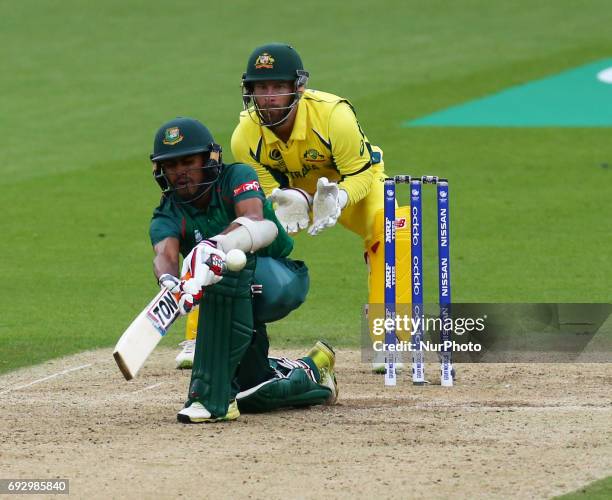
(599, 490)
(85, 90)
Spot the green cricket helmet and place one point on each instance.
(276, 62)
(185, 137)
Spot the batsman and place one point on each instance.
(207, 209)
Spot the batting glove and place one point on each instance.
(187, 293)
(205, 264)
(328, 203)
(292, 207)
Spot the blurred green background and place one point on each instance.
(84, 88)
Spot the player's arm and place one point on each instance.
(251, 208)
(165, 233)
(249, 231)
(243, 154)
(166, 260)
(351, 152)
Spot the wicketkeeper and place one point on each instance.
(314, 160)
(207, 209)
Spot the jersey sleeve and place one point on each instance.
(243, 154)
(351, 152)
(163, 226)
(243, 183)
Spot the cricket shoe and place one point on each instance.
(198, 414)
(324, 357)
(380, 368)
(184, 359)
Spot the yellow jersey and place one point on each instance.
(326, 141)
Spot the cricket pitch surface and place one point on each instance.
(520, 430)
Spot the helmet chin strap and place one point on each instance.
(202, 190)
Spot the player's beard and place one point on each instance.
(186, 188)
(189, 190)
(274, 115)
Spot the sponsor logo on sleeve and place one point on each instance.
(247, 186)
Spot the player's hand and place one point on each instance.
(205, 264)
(186, 290)
(326, 206)
(292, 206)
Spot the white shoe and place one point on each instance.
(380, 367)
(185, 357)
(198, 414)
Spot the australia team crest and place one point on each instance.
(264, 60)
(313, 155)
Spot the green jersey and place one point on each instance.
(190, 225)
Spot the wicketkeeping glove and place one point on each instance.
(292, 206)
(328, 203)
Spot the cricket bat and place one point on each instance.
(142, 336)
(151, 325)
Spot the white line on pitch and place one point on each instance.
(147, 388)
(514, 408)
(63, 372)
